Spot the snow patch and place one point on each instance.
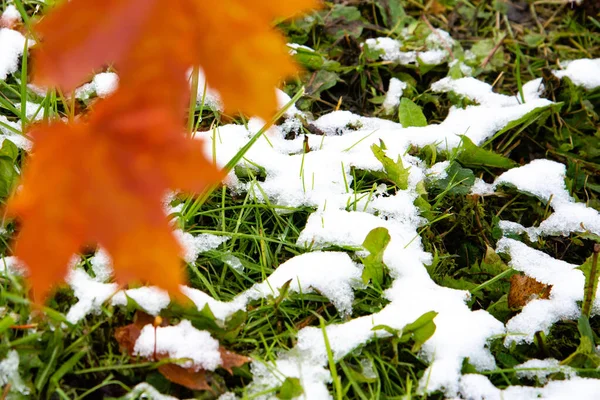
(182, 341)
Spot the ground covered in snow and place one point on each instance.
(354, 251)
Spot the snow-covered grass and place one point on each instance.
(281, 268)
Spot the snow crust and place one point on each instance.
(478, 387)
(11, 48)
(9, 374)
(10, 16)
(392, 97)
(437, 44)
(539, 314)
(181, 341)
(584, 72)
(540, 369)
(103, 85)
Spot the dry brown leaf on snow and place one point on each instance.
(523, 289)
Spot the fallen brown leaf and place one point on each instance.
(523, 289)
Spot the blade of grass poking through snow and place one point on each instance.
(501, 275)
(337, 383)
(201, 110)
(526, 120)
(193, 209)
(23, 114)
(193, 99)
(26, 20)
(517, 72)
(4, 102)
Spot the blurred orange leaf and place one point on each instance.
(101, 179)
(243, 57)
(89, 183)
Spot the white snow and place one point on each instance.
(294, 47)
(11, 134)
(197, 349)
(12, 44)
(437, 45)
(151, 299)
(540, 369)
(9, 374)
(148, 392)
(584, 72)
(313, 378)
(10, 265)
(544, 179)
(90, 293)
(33, 111)
(103, 84)
(10, 16)
(211, 99)
(194, 245)
(392, 97)
(332, 274)
(478, 387)
(539, 314)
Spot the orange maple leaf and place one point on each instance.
(101, 180)
(243, 57)
(85, 186)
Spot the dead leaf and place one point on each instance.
(195, 380)
(523, 289)
(231, 360)
(435, 7)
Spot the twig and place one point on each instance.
(436, 33)
(487, 59)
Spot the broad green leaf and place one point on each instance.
(8, 176)
(375, 243)
(492, 263)
(420, 330)
(322, 81)
(534, 39)
(410, 114)
(9, 150)
(394, 171)
(309, 59)
(472, 155)
(458, 182)
(585, 356)
(290, 389)
(392, 13)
